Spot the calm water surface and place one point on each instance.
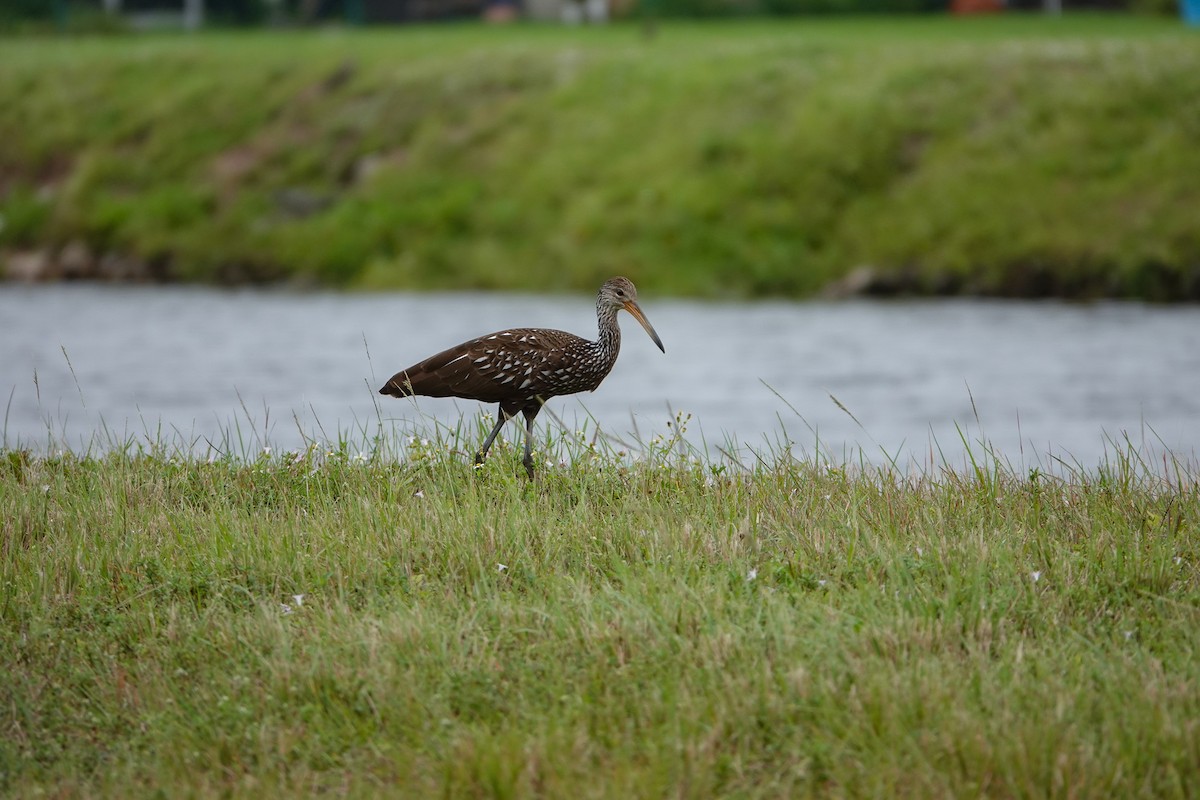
(1039, 381)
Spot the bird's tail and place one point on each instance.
(397, 386)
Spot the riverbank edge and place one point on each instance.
(76, 263)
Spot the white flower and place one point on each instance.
(1035, 576)
(285, 608)
(419, 493)
(1178, 559)
(1128, 635)
(920, 552)
(266, 451)
(45, 488)
(751, 575)
(298, 599)
(820, 583)
(501, 567)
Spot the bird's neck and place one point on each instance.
(609, 340)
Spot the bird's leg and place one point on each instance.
(483, 451)
(530, 415)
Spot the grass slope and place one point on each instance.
(664, 628)
(1019, 156)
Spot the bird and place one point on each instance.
(522, 368)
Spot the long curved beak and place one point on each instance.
(636, 311)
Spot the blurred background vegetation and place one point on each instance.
(117, 14)
(929, 153)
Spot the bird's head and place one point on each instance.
(621, 293)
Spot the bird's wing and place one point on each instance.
(491, 368)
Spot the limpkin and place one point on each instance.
(522, 368)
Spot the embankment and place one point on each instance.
(1012, 157)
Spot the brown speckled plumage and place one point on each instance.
(522, 368)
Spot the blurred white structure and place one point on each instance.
(193, 14)
(570, 12)
(190, 15)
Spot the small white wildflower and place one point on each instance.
(1035, 576)
(412, 440)
(751, 575)
(45, 488)
(1178, 560)
(361, 456)
(549, 464)
(285, 609)
(828, 497)
(1128, 635)
(820, 583)
(419, 493)
(425, 443)
(501, 567)
(920, 552)
(266, 451)
(298, 599)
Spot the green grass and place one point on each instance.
(660, 627)
(1014, 155)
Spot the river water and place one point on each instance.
(85, 366)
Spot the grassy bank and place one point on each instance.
(1019, 156)
(337, 622)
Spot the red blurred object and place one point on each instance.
(976, 6)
